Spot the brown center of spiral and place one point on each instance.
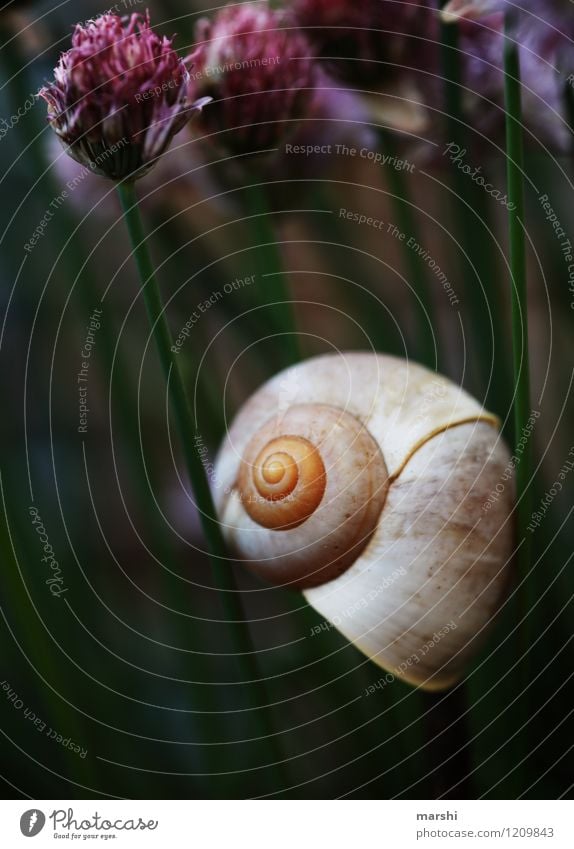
(285, 483)
(274, 469)
(275, 475)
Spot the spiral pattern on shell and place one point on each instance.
(290, 478)
(289, 473)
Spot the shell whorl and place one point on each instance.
(286, 483)
(308, 494)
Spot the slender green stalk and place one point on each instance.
(272, 276)
(569, 101)
(14, 537)
(28, 636)
(207, 396)
(221, 566)
(483, 300)
(450, 54)
(114, 362)
(425, 345)
(185, 630)
(517, 245)
(350, 267)
(521, 398)
(184, 420)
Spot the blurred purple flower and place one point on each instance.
(545, 27)
(365, 41)
(259, 74)
(119, 96)
(482, 51)
(335, 116)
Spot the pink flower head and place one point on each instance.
(119, 96)
(259, 74)
(368, 40)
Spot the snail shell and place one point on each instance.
(367, 482)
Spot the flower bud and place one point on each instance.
(366, 41)
(119, 96)
(260, 75)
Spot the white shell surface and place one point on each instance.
(400, 402)
(420, 597)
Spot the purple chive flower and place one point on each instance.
(335, 116)
(119, 96)
(366, 41)
(259, 74)
(544, 27)
(482, 48)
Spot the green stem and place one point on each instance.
(450, 54)
(517, 244)
(425, 346)
(40, 650)
(569, 102)
(170, 366)
(114, 363)
(272, 275)
(221, 566)
(483, 306)
(28, 632)
(521, 399)
(350, 266)
(175, 263)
